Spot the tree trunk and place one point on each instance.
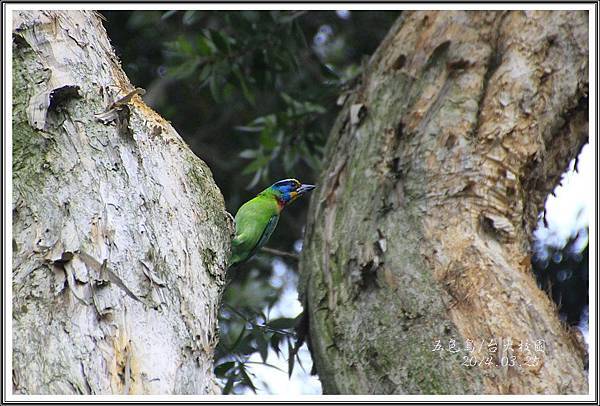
(421, 228)
(120, 235)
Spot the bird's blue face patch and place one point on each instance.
(286, 189)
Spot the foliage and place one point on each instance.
(562, 271)
(254, 95)
(257, 55)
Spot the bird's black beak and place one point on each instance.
(305, 188)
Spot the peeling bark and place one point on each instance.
(120, 235)
(421, 227)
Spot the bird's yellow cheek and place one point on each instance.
(293, 196)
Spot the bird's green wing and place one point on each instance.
(247, 242)
(267, 233)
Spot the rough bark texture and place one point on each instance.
(120, 235)
(420, 231)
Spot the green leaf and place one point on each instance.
(229, 385)
(289, 159)
(314, 108)
(189, 17)
(240, 77)
(221, 369)
(254, 180)
(167, 14)
(267, 140)
(275, 339)
(290, 358)
(204, 73)
(265, 177)
(185, 69)
(249, 129)
(246, 379)
(237, 341)
(286, 98)
(328, 71)
(282, 323)
(255, 165)
(204, 45)
(245, 347)
(262, 345)
(248, 153)
(220, 41)
(285, 18)
(269, 120)
(215, 90)
(185, 46)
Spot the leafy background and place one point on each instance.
(254, 95)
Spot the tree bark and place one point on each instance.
(421, 227)
(120, 235)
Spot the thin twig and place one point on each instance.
(279, 253)
(264, 363)
(255, 324)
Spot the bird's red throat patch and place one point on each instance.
(280, 203)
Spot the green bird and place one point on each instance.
(257, 218)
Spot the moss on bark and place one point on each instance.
(395, 257)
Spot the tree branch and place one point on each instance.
(279, 253)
